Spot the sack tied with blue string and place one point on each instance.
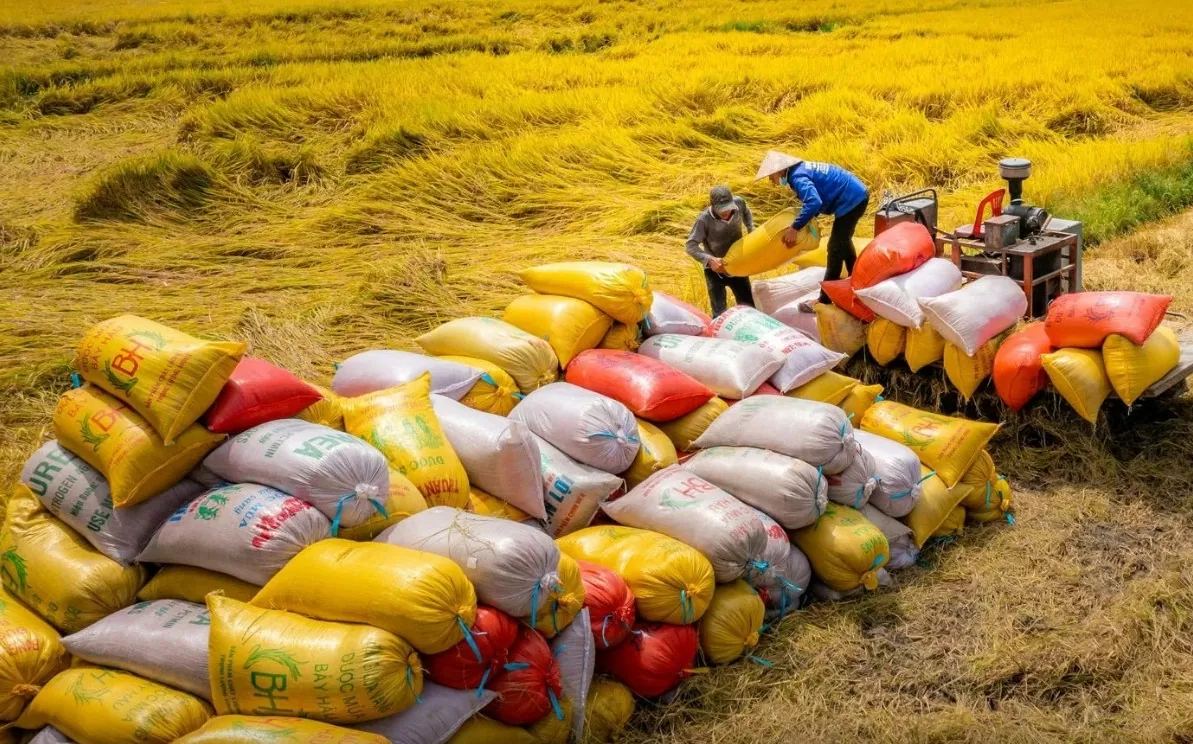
(587, 426)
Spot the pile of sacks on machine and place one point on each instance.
(901, 301)
(506, 538)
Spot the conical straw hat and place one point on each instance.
(775, 162)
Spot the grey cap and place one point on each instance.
(721, 198)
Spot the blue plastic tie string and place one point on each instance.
(468, 637)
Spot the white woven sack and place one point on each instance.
(668, 316)
(781, 580)
(790, 491)
(808, 430)
(854, 485)
(513, 566)
(803, 359)
(164, 640)
(772, 294)
(51, 735)
(441, 712)
(897, 299)
(681, 504)
(574, 649)
(732, 369)
(782, 599)
(572, 491)
(340, 475)
(903, 553)
(587, 426)
(500, 456)
(78, 494)
(794, 316)
(370, 371)
(898, 469)
(244, 530)
(977, 312)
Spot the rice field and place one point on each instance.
(320, 178)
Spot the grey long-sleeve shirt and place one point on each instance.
(711, 237)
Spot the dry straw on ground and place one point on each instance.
(322, 178)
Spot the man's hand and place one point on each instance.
(790, 237)
(717, 265)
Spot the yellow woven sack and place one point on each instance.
(117, 442)
(655, 453)
(953, 523)
(569, 325)
(489, 505)
(924, 347)
(1132, 369)
(845, 549)
(495, 392)
(551, 729)
(1079, 375)
(104, 706)
(947, 445)
(858, 401)
(967, 373)
(990, 496)
(688, 428)
(839, 330)
(618, 289)
(326, 412)
(401, 423)
(167, 376)
(564, 601)
(403, 500)
(622, 337)
(830, 387)
(609, 708)
(671, 582)
(528, 359)
(422, 597)
(53, 570)
(276, 730)
(270, 662)
(732, 624)
(30, 654)
(885, 340)
(764, 250)
(193, 584)
(936, 505)
(482, 730)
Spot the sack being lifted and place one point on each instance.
(589, 427)
(168, 377)
(764, 250)
(77, 494)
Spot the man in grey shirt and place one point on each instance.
(716, 229)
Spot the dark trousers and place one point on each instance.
(840, 244)
(716, 290)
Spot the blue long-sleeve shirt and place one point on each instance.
(823, 188)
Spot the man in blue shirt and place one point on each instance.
(822, 189)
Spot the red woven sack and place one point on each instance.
(656, 658)
(472, 661)
(896, 251)
(1018, 373)
(258, 392)
(610, 604)
(528, 684)
(1085, 319)
(840, 291)
(651, 389)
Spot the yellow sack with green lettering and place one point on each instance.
(53, 570)
(116, 441)
(30, 654)
(272, 662)
(845, 549)
(276, 730)
(400, 422)
(168, 377)
(326, 412)
(103, 706)
(947, 445)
